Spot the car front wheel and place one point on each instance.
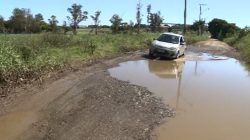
(177, 55)
(150, 54)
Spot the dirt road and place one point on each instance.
(215, 47)
(87, 103)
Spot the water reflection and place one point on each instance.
(211, 96)
(168, 70)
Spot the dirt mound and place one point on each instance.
(214, 43)
(214, 47)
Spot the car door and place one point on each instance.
(182, 45)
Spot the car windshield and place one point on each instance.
(169, 38)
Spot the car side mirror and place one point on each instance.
(182, 43)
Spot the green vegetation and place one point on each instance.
(22, 21)
(77, 16)
(193, 37)
(96, 20)
(24, 56)
(241, 41)
(53, 24)
(138, 16)
(116, 23)
(233, 35)
(221, 29)
(154, 20)
(28, 56)
(199, 26)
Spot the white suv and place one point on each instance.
(168, 45)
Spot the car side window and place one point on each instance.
(182, 40)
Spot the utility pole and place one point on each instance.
(200, 18)
(201, 11)
(185, 18)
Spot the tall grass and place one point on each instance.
(193, 37)
(27, 56)
(23, 55)
(242, 44)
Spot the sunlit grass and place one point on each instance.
(243, 45)
(23, 54)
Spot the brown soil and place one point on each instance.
(86, 103)
(83, 104)
(215, 47)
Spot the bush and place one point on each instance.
(237, 37)
(243, 45)
(56, 40)
(26, 53)
(25, 56)
(192, 37)
(90, 48)
(244, 32)
(9, 60)
(221, 29)
(199, 26)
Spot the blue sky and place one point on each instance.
(172, 10)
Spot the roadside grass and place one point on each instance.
(28, 56)
(23, 54)
(242, 44)
(92, 30)
(193, 37)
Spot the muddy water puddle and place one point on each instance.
(211, 95)
(13, 124)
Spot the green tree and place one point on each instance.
(124, 27)
(17, 22)
(65, 27)
(220, 29)
(199, 26)
(96, 20)
(22, 21)
(8, 26)
(77, 16)
(244, 32)
(53, 23)
(39, 17)
(116, 23)
(149, 13)
(155, 21)
(43, 26)
(138, 16)
(39, 22)
(30, 22)
(2, 26)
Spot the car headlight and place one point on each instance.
(172, 48)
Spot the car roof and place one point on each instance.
(169, 33)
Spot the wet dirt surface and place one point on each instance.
(211, 95)
(13, 124)
(87, 103)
